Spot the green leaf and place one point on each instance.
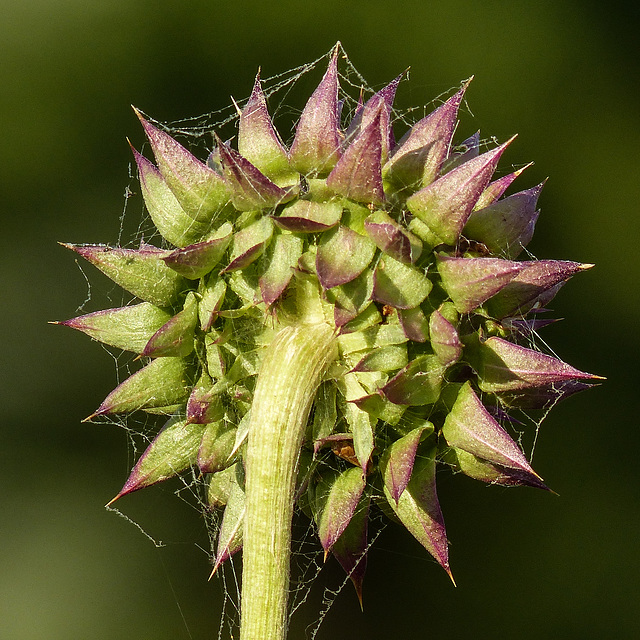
(325, 412)
(397, 464)
(307, 216)
(399, 285)
(175, 337)
(249, 243)
(141, 272)
(231, 528)
(343, 254)
(337, 497)
(172, 451)
(414, 324)
(419, 510)
(219, 486)
(213, 294)
(374, 337)
(163, 382)
(360, 422)
(259, 143)
(369, 316)
(128, 328)
(170, 219)
(201, 192)
(283, 258)
(392, 238)
(216, 361)
(379, 407)
(418, 383)
(389, 358)
(216, 447)
(196, 260)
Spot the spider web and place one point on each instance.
(307, 555)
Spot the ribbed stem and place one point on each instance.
(291, 371)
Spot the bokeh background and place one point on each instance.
(561, 73)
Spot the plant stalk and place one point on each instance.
(290, 374)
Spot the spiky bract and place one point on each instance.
(407, 250)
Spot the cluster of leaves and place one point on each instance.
(408, 249)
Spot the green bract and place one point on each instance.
(407, 254)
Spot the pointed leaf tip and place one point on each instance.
(106, 506)
(418, 157)
(492, 473)
(535, 286)
(258, 140)
(506, 226)
(171, 220)
(350, 549)
(230, 538)
(419, 510)
(128, 328)
(399, 461)
(504, 366)
(382, 103)
(358, 173)
(497, 188)
(200, 191)
(172, 451)
(316, 146)
(343, 254)
(250, 188)
(338, 499)
(140, 271)
(470, 427)
(175, 337)
(161, 383)
(472, 281)
(446, 204)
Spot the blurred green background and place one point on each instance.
(561, 73)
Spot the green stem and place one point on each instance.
(291, 371)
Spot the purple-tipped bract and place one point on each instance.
(409, 252)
